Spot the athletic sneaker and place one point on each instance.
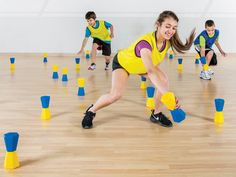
(87, 121)
(107, 67)
(161, 119)
(210, 71)
(205, 75)
(92, 67)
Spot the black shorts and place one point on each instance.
(213, 59)
(116, 64)
(106, 48)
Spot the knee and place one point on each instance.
(210, 53)
(95, 46)
(107, 57)
(115, 96)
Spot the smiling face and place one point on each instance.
(167, 28)
(210, 30)
(91, 22)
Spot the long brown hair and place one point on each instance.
(175, 41)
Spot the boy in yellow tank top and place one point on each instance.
(99, 31)
(143, 57)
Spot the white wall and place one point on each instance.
(58, 26)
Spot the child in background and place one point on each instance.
(99, 31)
(203, 45)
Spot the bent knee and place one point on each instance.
(116, 96)
(210, 53)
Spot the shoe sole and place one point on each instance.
(204, 79)
(87, 127)
(153, 120)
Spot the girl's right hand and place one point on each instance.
(177, 103)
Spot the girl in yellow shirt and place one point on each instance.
(143, 57)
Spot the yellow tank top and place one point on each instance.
(134, 64)
(101, 32)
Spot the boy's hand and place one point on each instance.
(80, 52)
(112, 35)
(223, 53)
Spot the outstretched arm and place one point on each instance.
(83, 46)
(220, 49)
(112, 31)
(202, 51)
(152, 72)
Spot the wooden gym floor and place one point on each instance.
(123, 141)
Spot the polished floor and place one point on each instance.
(123, 141)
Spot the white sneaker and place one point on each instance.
(210, 71)
(92, 67)
(106, 67)
(205, 75)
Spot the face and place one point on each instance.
(91, 22)
(168, 28)
(210, 30)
